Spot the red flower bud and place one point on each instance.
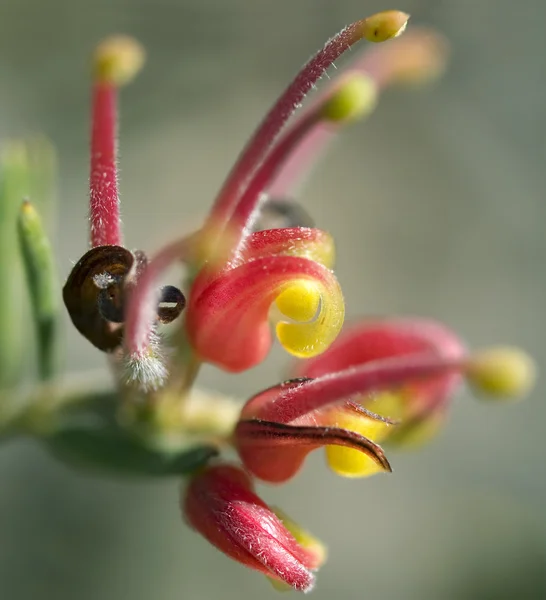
(220, 503)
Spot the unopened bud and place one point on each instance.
(221, 505)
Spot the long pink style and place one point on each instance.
(138, 325)
(258, 146)
(104, 199)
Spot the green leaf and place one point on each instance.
(110, 449)
(43, 287)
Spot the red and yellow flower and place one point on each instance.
(378, 381)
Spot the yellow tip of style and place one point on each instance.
(504, 372)
(355, 98)
(385, 25)
(118, 59)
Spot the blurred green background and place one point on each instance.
(438, 207)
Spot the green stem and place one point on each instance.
(35, 412)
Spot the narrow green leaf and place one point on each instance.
(43, 286)
(27, 170)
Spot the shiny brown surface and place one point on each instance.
(83, 297)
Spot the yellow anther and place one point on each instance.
(385, 25)
(118, 59)
(502, 372)
(353, 463)
(300, 301)
(356, 97)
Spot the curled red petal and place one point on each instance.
(275, 452)
(306, 242)
(228, 315)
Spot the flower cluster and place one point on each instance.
(387, 380)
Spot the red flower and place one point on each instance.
(238, 275)
(380, 381)
(405, 371)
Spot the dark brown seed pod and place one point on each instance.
(94, 294)
(171, 304)
(110, 301)
(97, 289)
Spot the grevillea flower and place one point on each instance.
(381, 380)
(385, 380)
